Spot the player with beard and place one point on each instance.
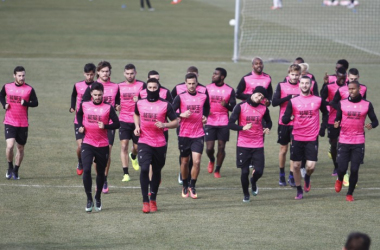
(250, 142)
(16, 98)
(303, 110)
(76, 98)
(327, 93)
(151, 118)
(94, 120)
(350, 117)
(257, 77)
(194, 108)
(129, 92)
(222, 99)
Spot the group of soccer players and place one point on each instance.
(203, 113)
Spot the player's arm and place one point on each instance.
(174, 93)
(73, 99)
(365, 93)
(325, 117)
(136, 119)
(338, 116)
(117, 97)
(176, 103)
(240, 89)
(232, 102)
(172, 117)
(288, 113)
(335, 102)
(169, 97)
(324, 93)
(33, 101)
(270, 93)
(206, 107)
(2, 97)
(315, 89)
(277, 100)
(80, 117)
(267, 119)
(114, 118)
(233, 118)
(372, 116)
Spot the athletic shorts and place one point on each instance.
(188, 145)
(166, 134)
(18, 133)
(250, 156)
(284, 134)
(304, 150)
(90, 154)
(149, 155)
(213, 133)
(332, 133)
(350, 152)
(78, 136)
(111, 136)
(126, 132)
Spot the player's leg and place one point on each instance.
(258, 161)
(296, 155)
(210, 137)
(196, 147)
(158, 162)
(124, 159)
(223, 135)
(357, 156)
(311, 156)
(145, 160)
(79, 139)
(333, 135)
(101, 157)
(9, 155)
(87, 159)
(21, 138)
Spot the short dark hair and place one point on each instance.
(222, 71)
(356, 83)
(344, 63)
(341, 70)
(18, 69)
(152, 73)
(152, 80)
(129, 66)
(306, 77)
(299, 59)
(192, 69)
(358, 241)
(97, 86)
(89, 67)
(191, 76)
(353, 71)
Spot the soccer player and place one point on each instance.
(111, 96)
(76, 98)
(253, 79)
(147, 3)
(178, 89)
(222, 100)
(250, 142)
(350, 117)
(339, 64)
(284, 92)
(194, 108)
(129, 92)
(327, 93)
(150, 118)
(16, 98)
(303, 110)
(357, 241)
(94, 119)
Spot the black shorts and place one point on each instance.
(350, 152)
(149, 155)
(250, 156)
(78, 136)
(284, 134)
(301, 150)
(188, 145)
(213, 133)
(18, 133)
(166, 134)
(90, 152)
(332, 133)
(126, 132)
(111, 136)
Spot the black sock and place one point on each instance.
(282, 171)
(16, 169)
(89, 196)
(307, 178)
(133, 156)
(105, 178)
(10, 165)
(299, 190)
(125, 170)
(185, 183)
(291, 173)
(217, 169)
(192, 183)
(80, 161)
(212, 159)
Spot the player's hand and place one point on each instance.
(247, 126)
(326, 78)
(101, 125)
(159, 124)
(185, 114)
(336, 124)
(322, 132)
(137, 131)
(71, 110)
(368, 126)
(117, 107)
(267, 102)
(294, 96)
(22, 101)
(204, 119)
(266, 131)
(81, 130)
(135, 98)
(223, 103)
(6, 106)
